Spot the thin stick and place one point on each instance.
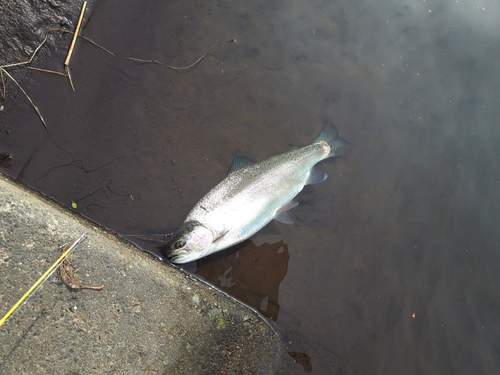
(75, 35)
(72, 45)
(47, 273)
(27, 96)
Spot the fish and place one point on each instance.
(252, 195)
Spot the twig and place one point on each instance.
(42, 278)
(180, 68)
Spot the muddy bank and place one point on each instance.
(23, 25)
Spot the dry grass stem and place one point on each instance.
(27, 96)
(66, 72)
(69, 77)
(75, 35)
(180, 68)
(32, 55)
(47, 71)
(3, 85)
(95, 44)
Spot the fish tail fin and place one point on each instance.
(330, 135)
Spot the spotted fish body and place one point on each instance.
(250, 197)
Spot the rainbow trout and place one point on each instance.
(252, 195)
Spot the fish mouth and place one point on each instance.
(178, 256)
(182, 258)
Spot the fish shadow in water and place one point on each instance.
(250, 273)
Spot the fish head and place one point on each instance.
(192, 241)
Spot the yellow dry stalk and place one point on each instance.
(42, 278)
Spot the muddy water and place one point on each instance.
(392, 262)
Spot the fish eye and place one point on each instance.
(179, 244)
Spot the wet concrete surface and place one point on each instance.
(149, 318)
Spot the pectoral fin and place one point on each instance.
(287, 206)
(283, 215)
(219, 232)
(219, 235)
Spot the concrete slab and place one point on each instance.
(149, 318)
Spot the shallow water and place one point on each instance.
(392, 262)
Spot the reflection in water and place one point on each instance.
(303, 359)
(252, 274)
(5, 160)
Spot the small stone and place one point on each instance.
(196, 299)
(214, 312)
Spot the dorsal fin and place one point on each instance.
(240, 162)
